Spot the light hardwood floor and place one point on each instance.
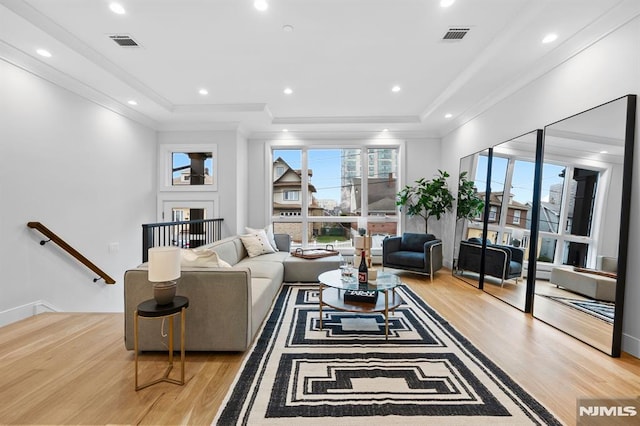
(70, 368)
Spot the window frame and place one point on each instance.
(306, 145)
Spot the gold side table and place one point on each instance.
(150, 309)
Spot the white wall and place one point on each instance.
(83, 171)
(604, 71)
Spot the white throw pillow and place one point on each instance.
(269, 232)
(257, 243)
(202, 259)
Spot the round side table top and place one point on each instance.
(149, 308)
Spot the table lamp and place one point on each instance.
(164, 269)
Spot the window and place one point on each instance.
(332, 188)
(493, 213)
(516, 217)
(291, 195)
(188, 167)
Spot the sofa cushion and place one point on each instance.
(256, 243)
(271, 270)
(415, 242)
(268, 230)
(205, 258)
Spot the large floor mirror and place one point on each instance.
(583, 225)
(469, 218)
(509, 225)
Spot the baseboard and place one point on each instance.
(25, 311)
(631, 345)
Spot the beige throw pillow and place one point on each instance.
(269, 232)
(202, 259)
(257, 243)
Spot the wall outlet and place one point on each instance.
(114, 247)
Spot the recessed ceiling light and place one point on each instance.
(287, 90)
(117, 8)
(285, 130)
(261, 5)
(396, 89)
(287, 28)
(203, 92)
(132, 102)
(43, 52)
(448, 115)
(549, 38)
(446, 3)
(385, 130)
(604, 152)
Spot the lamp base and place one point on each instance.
(163, 292)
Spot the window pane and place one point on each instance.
(575, 254)
(191, 168)
(552, 184)
(498, 177)
(582, 195)
(382, 181)
(287, 182)
(547, 249)
(336, 175)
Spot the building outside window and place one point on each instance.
(333, 190)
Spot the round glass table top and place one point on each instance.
(384, 281)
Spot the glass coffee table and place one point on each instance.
(333, 286)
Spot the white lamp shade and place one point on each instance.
(164, 263)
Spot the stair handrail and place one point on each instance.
(73, 252)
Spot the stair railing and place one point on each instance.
(73, 252)
(184, 234)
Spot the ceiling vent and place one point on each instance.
(455, 34)
(124, 40)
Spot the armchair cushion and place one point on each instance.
(415, 242)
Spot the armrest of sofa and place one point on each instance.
(219, 313)
(283, 241)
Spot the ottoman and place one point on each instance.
(590, 285)
(297, 269)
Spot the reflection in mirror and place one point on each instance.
(509, 225)
(469, 223)
(580, 222)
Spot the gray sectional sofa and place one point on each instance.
(226, 304)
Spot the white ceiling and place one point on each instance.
(341, 59)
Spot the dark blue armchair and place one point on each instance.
(504, 262)
(413, 252)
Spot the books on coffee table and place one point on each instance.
(367, 296)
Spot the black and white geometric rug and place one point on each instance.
(348, 374)
(597, 308)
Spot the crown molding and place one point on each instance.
(389, 119)
(22, 60)
(220, 108)
(342, 135)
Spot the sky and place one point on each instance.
(523, 177)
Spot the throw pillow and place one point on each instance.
(269, 232)
(256, 243)
(202, 259)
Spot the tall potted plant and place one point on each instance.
(470, 204)
(427, 198)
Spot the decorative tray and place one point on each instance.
(315, 253)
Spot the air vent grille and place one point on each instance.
(455, 34)
(124, 40)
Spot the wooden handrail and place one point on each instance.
(73, 252)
